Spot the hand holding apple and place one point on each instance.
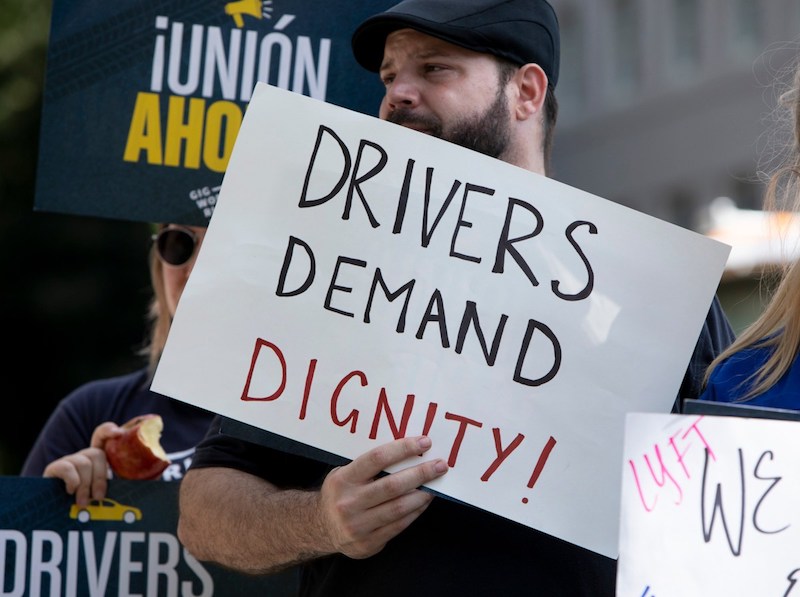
(137, 453)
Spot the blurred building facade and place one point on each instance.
(666, 105)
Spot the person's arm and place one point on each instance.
(245, 523)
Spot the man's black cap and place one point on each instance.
(520, 31)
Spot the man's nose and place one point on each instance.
(402, 93)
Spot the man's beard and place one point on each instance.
(488, 133)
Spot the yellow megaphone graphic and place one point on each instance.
(246, 7)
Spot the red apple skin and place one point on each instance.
(137, 453)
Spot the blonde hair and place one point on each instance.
(778, 326)
(158, 316)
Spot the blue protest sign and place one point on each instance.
(124, 545)
(143, 99)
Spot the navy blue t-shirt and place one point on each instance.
(118, 399)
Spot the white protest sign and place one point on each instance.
(709, 507)
(360, 281)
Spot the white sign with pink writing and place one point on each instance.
(361, 281)
(709, 507)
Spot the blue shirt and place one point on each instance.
(118, 399)
(730, 381)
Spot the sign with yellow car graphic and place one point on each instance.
(125, 544)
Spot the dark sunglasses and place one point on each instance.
(175, 246)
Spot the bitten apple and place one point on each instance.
(137, 453)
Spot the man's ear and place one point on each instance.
(531, 83)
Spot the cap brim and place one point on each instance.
(369, 39)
